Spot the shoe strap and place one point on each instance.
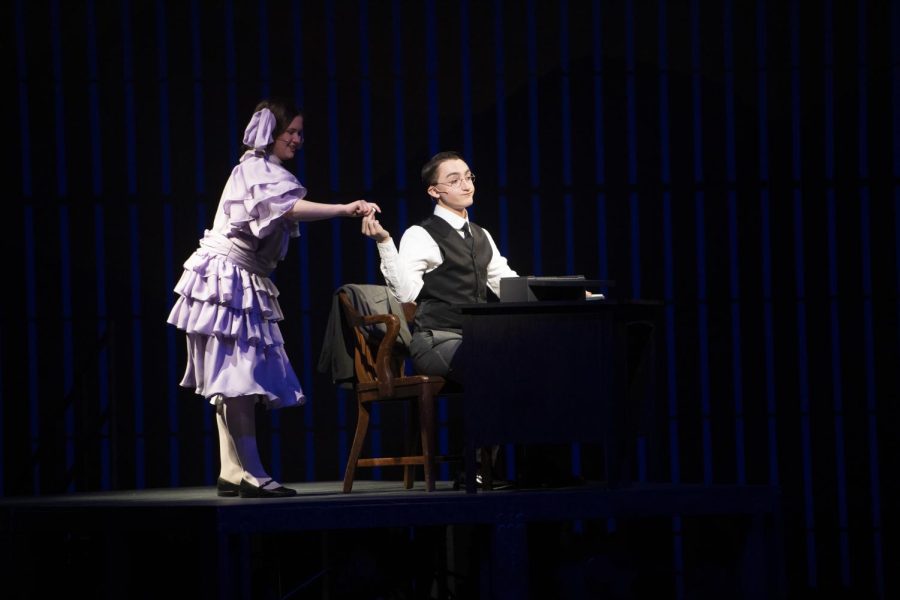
(264, 485)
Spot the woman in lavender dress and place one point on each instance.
(227, 305)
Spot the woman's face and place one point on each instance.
(290, 140)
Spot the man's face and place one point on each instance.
(454, 186)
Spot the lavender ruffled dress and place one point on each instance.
(227, 305)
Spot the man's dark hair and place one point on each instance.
(429, 171)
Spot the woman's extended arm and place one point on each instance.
(306, 210)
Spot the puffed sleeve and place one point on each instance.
(257, 196)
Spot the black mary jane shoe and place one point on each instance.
(248, 490)
(226, 489)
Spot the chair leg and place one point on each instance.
(409, 472)
(426, 429)
(362, 427)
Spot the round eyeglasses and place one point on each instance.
(457, 181)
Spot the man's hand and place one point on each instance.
(371, 228)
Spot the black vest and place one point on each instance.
(460, 279)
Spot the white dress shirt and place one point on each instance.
(420, 254)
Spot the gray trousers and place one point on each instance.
(433, 352)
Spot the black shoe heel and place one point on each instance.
(248, 490)
(226, 489)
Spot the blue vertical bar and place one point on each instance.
(137, 343)
(669, 289)
(534, 138)
(165, 162)
(30, 284)
(128, 74)
(265, 78)
(168, 235)
(802, 357)
(22, 69)
(197, 74)
(834, 301)
(297, 32)
(99, 250)
(668, 249)
(466, 80)
(868, 316)
(334, 186)
(134, 250)
(631, 133)
(58, 104)
(366, 120)
(103, 370)
(500, 100)
(67, 349)
(34, 420)
(762, 129)
(96, 140)
(397, 73)
(566, 126)
(210, 447)
(895, 102)
(231, 82)
(431, 77)
(733, 248)
(599, 146)
(68, 341)
(700, 220)
(171, 366)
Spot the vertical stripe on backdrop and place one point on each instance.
(800, 290)
(836, 375)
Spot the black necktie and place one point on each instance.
(467, 236)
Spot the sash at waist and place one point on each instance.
(224, 246)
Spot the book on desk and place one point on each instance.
(533, 288)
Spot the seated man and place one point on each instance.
(444, 260)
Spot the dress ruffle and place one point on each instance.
(272, 192)
(235, 347)
(231, 368)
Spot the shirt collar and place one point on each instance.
(456, 222)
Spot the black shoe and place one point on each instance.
(248, 490)
(496, 484)
(226, 489)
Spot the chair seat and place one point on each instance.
(404, 387)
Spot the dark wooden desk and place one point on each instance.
(547, 373)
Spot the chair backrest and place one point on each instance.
(409, 311)
(374, 361)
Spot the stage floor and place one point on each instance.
(222, 531)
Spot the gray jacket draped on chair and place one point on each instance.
(336, 357)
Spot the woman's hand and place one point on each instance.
(371, 228)
(360, 208)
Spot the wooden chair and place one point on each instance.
(380, 378)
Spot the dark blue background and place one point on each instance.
(737, 160)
